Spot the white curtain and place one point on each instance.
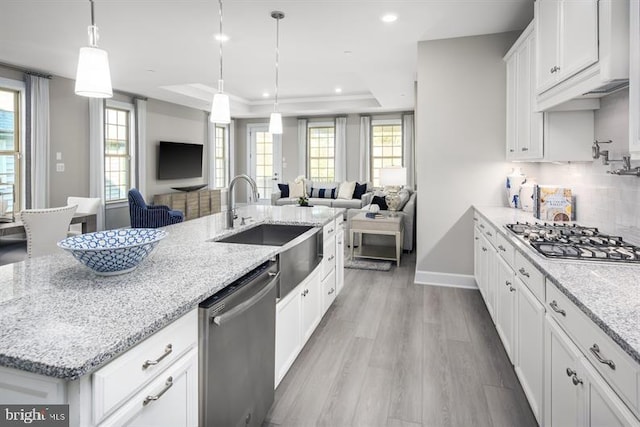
(408, 146)
(302, 147)
(341, 149)
(38, 102)
(365, 149)
(231, 137)
(96, 155)
(141, 139)
(211, 140)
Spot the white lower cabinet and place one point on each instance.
(339, 260)
(170, 400)
(506, 304)
(529, 345)
(575, 394)
(297, 316)
(328, 291)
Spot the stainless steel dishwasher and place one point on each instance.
(237, 350)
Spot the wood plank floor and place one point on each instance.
(393, 353)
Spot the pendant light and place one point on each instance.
(93, 78)
(220, 110)
(275, 121)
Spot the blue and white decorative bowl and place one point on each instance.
(113, 252)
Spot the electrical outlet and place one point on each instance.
(59, 167)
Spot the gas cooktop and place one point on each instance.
(575, 242)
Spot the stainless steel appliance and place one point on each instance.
(237, 350)
(575, 242)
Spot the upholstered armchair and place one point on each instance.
(150, 216)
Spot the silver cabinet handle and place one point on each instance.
(507, 283)
(167, 351)
(554, 305)
(489, 233)
(331, 291)
(511, 150)
(484, 249)
(525, 149)
(570, 372)
(331, 258)
(512, 289)
(475, 218)
(596, 352)
(524, 272)
(330, 231)
(481, 225)
(152, 398)
(305, 292)
(502, 248)
(477, 238)
(576, 380)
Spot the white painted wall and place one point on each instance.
(460, 144)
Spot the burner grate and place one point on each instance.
(564, 241)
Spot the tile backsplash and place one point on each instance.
(609, 202)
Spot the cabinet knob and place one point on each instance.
(570, 372)
(576, 380)
(511, 150)
(525, 149)
(512, 289)
(507, 283)
(484, 249)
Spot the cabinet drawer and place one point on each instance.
(123, 376)
(488, 230)
(530, 276)
(329, 255)
(615, 366)
(329, 230)
(506, 250)
(171, 399)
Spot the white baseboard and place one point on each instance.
(435, 278)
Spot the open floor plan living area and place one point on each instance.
(276, 213)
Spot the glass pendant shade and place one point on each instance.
(220, 112)
(93, 78)
(275, 124)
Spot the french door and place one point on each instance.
(265, 159)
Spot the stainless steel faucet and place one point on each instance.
(231, 201)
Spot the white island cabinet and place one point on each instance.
(153, 383)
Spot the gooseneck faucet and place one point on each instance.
(230, 199)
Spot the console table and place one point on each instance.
(194, 204)
(388, 225)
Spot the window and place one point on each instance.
(221, 170)
(386, 147)
(118, 149)
(322, 153)
(9, 152)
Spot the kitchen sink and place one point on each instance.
(267, 234)
(297, 260)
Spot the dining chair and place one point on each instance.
(87, 206)
(45, 228)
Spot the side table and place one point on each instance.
(392, 226)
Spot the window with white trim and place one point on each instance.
(119, 147)
(321, 152)
(386, 147)
(10, 138)
(221, 158)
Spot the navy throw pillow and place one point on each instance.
(323, 193)
(284, 190)
(380, 201)
(359, 190)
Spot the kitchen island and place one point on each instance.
(58, 319)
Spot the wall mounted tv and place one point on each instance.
(179, 160)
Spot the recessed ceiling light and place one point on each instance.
(338, 90)
(348, 52)
(221, 37)
(389, 17)
(265, 94)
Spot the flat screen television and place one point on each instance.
(179, 160)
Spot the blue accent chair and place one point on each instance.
(150, 216)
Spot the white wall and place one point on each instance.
(460, 145)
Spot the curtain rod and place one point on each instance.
(24, 70)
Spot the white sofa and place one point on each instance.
(408, 214)
(278, 200)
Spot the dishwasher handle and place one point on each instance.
(245, 305)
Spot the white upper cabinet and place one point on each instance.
(634, 88)
(555, 136)
(582, 49)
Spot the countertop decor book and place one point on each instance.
(552, 203)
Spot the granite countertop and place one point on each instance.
(58, 318)
(609, 293)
